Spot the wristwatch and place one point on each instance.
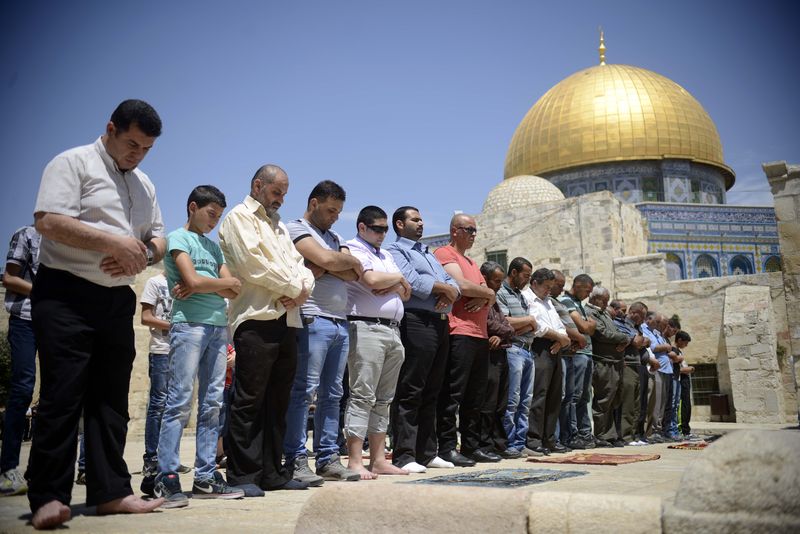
(150, 256)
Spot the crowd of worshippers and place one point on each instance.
(458, 363)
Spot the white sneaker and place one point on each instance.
(441, 464)
(414, 467)
(12, 483)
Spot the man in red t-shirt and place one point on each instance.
(467, 365)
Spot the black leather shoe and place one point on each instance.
(484, 457)
(559, 448)
(619, 442)
(543, 450)
(602, 443)
(577, 443)
(510, 454)
(457, 459)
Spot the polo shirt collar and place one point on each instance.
(370, 246)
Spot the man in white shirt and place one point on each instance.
(550, 336)
(101, 226)
(375, 309)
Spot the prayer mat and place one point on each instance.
(689, 445)
(593, 458)
(500, 478)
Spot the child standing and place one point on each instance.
(199, 281)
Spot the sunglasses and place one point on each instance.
(471, 230)
(377, 228)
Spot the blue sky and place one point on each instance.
(399, 102)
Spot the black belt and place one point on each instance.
(308, 319)
(522, 345)
(376, 320)
(435, 315)
(540, 343)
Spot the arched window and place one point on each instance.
(740, 265)
(705, 267)
(773, 264)
(674, 267)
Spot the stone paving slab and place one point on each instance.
(278, 512)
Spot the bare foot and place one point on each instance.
(51, 515)
(361, 470)
(130, 504)
(386, 468)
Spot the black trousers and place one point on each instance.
(425, 338)
(686, 404)
(86, 351)
(644, 397)
(546, 402)
(463, 388)
(495, 401)
(266, 358)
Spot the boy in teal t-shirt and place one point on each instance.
(200, 281)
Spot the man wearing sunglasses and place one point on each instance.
(375, 309)
(467, 369)
(425, 334)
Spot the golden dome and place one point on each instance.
(521, 192)
(612, 113)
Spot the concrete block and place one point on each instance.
(565, 513)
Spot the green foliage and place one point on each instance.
(5, 367)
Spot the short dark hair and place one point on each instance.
(638, 305)
(490, 267)
(674, 322)
(542, 274)
(327, 189)
(517, 264)
(369, 214)
(137, 112)
(616, 304)
(267, 174)
(683, 336)
(583, 279)
(400, 215)
(203, 195)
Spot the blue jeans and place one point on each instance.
(159, 380)
(580, 411)
(322, 348)
(20, 393)
(520, 393)
(674, 404)
(196, 350)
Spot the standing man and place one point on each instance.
(513, 305)
(608, 346)
(22, 263)
(263, 319)
(682, 340)
(375, 309)
(101, 226)
(467, 367)
(630, 323)
(579, 417)
(425, 334)
(549, 338)
(323, 343)
(659, 388)
(493, 434)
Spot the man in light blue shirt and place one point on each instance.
(659, 389)
(425, 335)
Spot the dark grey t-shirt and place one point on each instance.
(329, 298)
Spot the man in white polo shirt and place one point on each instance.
(101, 226)
(375, 309)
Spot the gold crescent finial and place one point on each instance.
(602, 48)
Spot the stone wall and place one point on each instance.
(576, 235)
(751, 345)
(784, 181)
